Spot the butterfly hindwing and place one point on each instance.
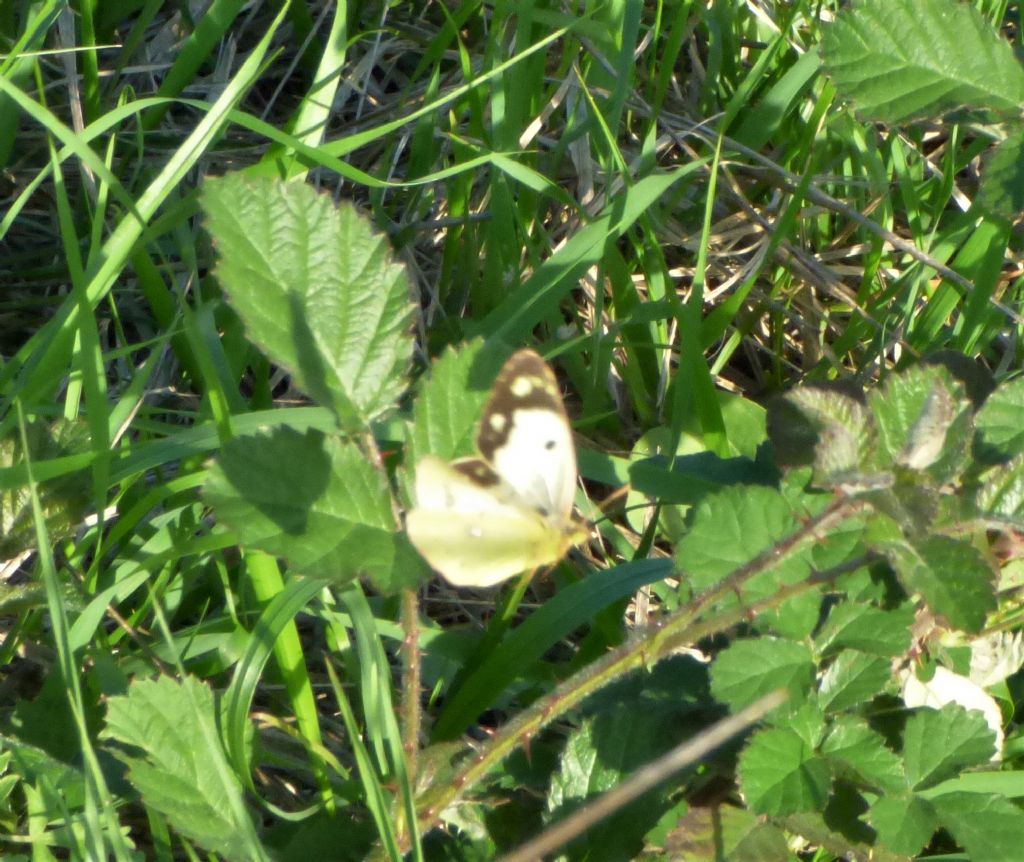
(468, 525)
(467, 486)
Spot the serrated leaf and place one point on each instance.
(314, 500)
(764, 843)
(924, 420)
(808, 722)
(1002, 179)
(319, 291)
(64, 500)
(731, 528)
(780, 774)
(606, 749)
(183, 772)
(978, 382)
(939, 743)
(836, 427)
(998, 426)
(853, 678)
(988, 827)
(449, 403)
(750, 669)
(36, 765)
(858, 626)
(860, 753)
(951, 576)
(945, 687)
(904, 823)
(794, 618)
(1000, 493)
(841, 543)
(901, 59)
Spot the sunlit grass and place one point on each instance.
(669, 200)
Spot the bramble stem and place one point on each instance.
(679, 629)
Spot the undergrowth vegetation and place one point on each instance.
(260, 260)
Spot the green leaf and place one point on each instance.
(1000, 493)
(669, 822)
(763, 843)
(924, 420)
(1005, 783)
(730, 529)
(845, 433)
(938, 743)
(318, 291)
(183, 772)
(780, 774)
(693, 477)
(988, 827)
(605, 750)
(998, 426)
(858, 752)
(901, 59)
(450, 401)
(862, 627)
(314, 500)
(951, 576)
(64, 500)
(842, 542)
(853, 678)
(808, 722)
(37, 765)
(978, 382)
(750, 669)
(904, 823)
(1002, 180)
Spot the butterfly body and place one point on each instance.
(479, 521)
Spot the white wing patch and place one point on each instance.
(539, 462)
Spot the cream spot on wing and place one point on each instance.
(498, 421)
(522, 386)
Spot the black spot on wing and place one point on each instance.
(525, 382)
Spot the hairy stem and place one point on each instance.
(411, 710)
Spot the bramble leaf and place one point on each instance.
(319, 291)
(901, 60)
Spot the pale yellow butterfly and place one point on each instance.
(478, 521)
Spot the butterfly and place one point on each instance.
(479, 521)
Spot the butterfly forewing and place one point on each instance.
(525, 435)
(471, 552)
